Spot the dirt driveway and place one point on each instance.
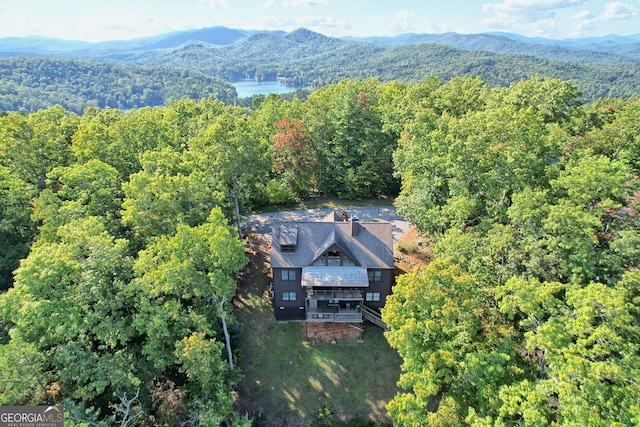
(261, 223)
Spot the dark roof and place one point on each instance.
(288, 235)
(370, 247)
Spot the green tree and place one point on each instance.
(120, 139)
(456, 171)
(34, 144)
(584, 225)
(542, 224)
(96, 139)
(617, 136)
(585, 342)
(17, 231)
(456, 352)
(459, 96)
(200, 360)
(86, 189)
(237, 159)
(172, 188)
(24, 377)
(354, 152)
(68, 302)
(558, 101)
(179, 279)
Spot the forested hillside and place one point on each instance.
(305, 57)
(529, 313)
(604, 50)
(117, 228)
(30, 84)
(298, 58)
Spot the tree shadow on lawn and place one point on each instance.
(290, 382)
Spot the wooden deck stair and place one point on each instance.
(373, 317)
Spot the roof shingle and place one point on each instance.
(370, 247)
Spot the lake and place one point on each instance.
(248, 88)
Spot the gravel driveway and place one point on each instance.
(261, 223)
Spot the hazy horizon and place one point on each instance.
(100, 20)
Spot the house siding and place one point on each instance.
(383, 287)
(288, 309)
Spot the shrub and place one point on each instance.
(279, 193)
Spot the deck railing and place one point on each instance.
(324, 315)
(374, 317)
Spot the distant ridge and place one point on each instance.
(600, 67)
(215, 36)
(605, 49)
(38, 45)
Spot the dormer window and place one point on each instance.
(288, 238)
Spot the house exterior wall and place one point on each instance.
(383, 287)
(284, 307)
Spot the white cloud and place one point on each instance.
(102, 26)
(403, 20)
(584, 14)
(587, 20)
(304, 3)
(308, 21)
(538, 16)
(268, 4)
(618, 10)
(214, 4)
(406, 21)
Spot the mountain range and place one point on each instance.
(611, 48)
(600, 66)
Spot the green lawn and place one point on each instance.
(291, 382)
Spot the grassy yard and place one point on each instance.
(289, 382)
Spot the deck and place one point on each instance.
(336, 314)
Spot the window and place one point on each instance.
(333, 258)
(288, 274)
(289, 296)
(372, 296)
(374, 275)
(287, 248)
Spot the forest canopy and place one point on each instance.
(119, 259)
(31, 84)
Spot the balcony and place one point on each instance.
(334, 305)
(334, 314)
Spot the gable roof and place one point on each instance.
(334, 240)
(370, 247)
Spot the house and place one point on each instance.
(327, 271)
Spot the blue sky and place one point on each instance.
(98, 20)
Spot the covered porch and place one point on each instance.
(334, 294)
